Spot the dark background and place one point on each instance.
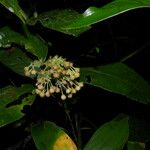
(116, 38)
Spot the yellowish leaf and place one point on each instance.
(64, 142)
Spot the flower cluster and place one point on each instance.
(56, 75)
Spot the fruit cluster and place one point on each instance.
(56, 75)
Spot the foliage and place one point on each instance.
(27, 53)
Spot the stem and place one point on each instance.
(77, 121)
(25, 29)
(113, 38)
(135, 52)
(71, 122)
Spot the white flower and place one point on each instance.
(56, 75)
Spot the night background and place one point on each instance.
(107, 42)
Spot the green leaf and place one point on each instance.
(59, 19)
(8, 36)
(70, 22)
(118, 78)
(13, 6)
(139, 129)
(11, 93)
(7, 96)
(136, 146)
(32, 43)
(14, 59)
(48, 136)
(93, 15)
(28, 100)
(110, 136)
(36, 46)
(9, 115)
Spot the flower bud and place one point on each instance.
(42, 94)
(47, 94)
(40, 87)
(63, 97)
(70, 96)
(51, 90)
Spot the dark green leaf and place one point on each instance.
(59, 19)
(8, 95)
(13, 6)
(48, 136)
(36, 46)
(70, 22)
(28, 100)
(139, 129)
(10, 115)
(32, 43)
(112, 136)
(93, 15)
(11, 93)
(136, 146)
(8, 36)
(14, 59)
(118, 78)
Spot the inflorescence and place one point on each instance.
(56, 75)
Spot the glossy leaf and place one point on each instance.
(13, 6)
(59, 19)
(14, 59)
(9, 114)
(48, 136)
(36, 46)
(93, 14)
(32, 43)
(118, 78)
(8, 36)
(135, 146)
(110, 136)
(70, 22)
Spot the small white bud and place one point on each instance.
(37, 91)
(77, 69)
(57, 90)
(42, 94)
(47, 94)
(73, 91)
(55, 67)
(40, 87)
(64, 81)
(81, 84)
(27, 73)
(72, 77)
(51, 71)
(64, 72)
(70, 96)
(56, 75)
(77, 74)
(63, 97)
(26, 68)
(51, 90)
(78, 88)
(67, 64)
(68, 90)
(33, 72)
